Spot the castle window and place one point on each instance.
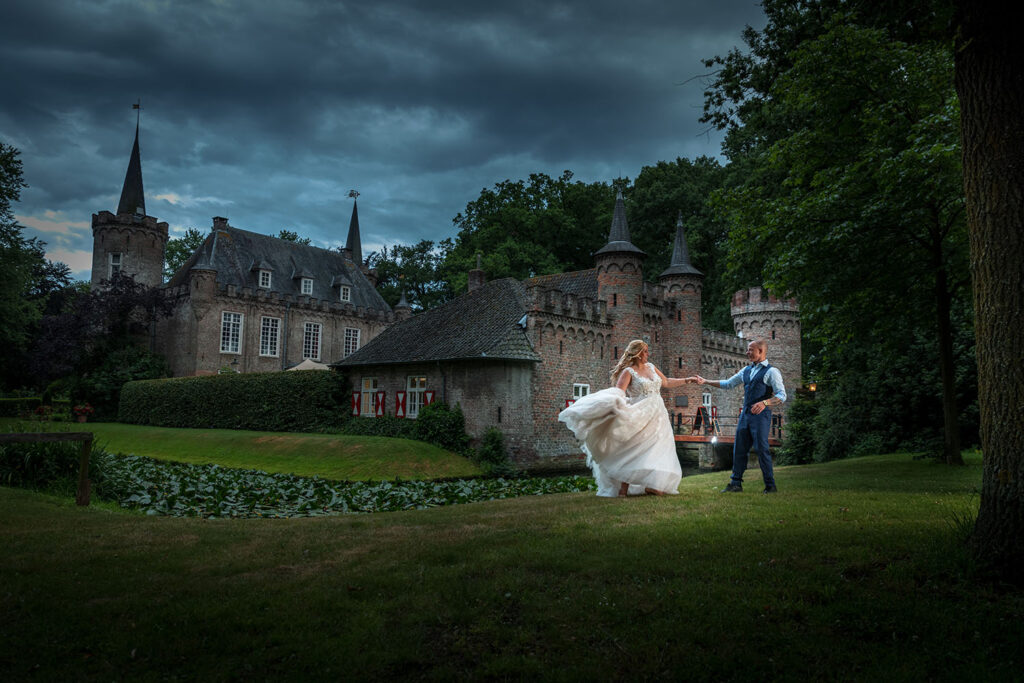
(579, 391)
(351, 340)
(114, 262)
(230, 332)
(311, 341)
(615, 299)
(366, 396)
(346, 293)
(307, 285)
(680, 362)
(270, 330)
(415, 386)
(559, 346)
(264, 279)
(773, 334)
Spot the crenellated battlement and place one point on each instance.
(759, 300)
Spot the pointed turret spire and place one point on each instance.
(133, 199)
(618, 236)
(680, 264)
(352, 244)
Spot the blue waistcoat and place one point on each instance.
(754, 388)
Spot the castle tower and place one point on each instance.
(758, 314)
(620, 280)
(683, 285)
(129, 242)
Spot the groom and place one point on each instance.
(762, 389)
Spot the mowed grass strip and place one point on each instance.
(855, 571)
(331, 456)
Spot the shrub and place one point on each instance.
(48, 466)
(492, 447)
(269, 401)
(442, 426)
(102, 386)
(19, 407)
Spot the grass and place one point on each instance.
(854, 571)
(331, 456)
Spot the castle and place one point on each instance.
(511, 353)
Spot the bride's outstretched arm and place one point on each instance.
(624, 379)
(669, 382)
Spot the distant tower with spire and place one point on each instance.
(684, 286)
(620, 279)
(129, 241)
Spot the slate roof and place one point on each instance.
(680, 264)
(133, 197)
(580, 283)
(481, 324)
(618, 235)
(237, 256)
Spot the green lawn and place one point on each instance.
(331, 456)
(855, 571)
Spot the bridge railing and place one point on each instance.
(692, 425)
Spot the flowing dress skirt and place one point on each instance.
(625, 442)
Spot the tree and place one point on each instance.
(99, 337)
(841, 132)
(990, 82)
(413, 270)
(290, 236)
(27, 278)
(179, 249)
(526, 228)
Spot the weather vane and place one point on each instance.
(138, 110)
(353, 193)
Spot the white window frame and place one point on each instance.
(415, 386)
(312, 340)
(346, 293)
(579, 391)
(352, 335)
(270, 337)
(231, 321)
(115, 263)
(306, 285)
(369, 390)
(705, 400)
(264, 279)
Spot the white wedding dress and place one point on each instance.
(627, 437)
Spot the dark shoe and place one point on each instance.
(770, 489)
(733, 488)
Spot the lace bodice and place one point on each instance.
(642, 387)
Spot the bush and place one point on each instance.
(492, 448)
(442, 426)
(269, 401)
(19, 407)
(49, 466)
(102, 386)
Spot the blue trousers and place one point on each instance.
(752, 430)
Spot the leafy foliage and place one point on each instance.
(179, 249)
(414, 270)
(47, 466)
(268, 401)
(182, 490)
(443, 426)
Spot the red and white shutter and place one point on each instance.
(428, 397)
(355, 403)
(380, 404)
(569, 402)
(399, 404)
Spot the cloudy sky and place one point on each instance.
(270, 111)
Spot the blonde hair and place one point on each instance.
(635, 348)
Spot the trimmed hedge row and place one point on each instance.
(268, 401)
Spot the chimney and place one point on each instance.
(219, 223)
(476, 276)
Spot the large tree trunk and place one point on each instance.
(990, 83)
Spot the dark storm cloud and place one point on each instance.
(270, 111)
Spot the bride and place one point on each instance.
(625, 429)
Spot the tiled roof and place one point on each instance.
(483, 323)
(580, 283)
(235, 252)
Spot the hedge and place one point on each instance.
(17, 407)
(311, 400)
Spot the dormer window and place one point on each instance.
(346, 293)
(114, 262)
(264, 279)
(307, 285)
